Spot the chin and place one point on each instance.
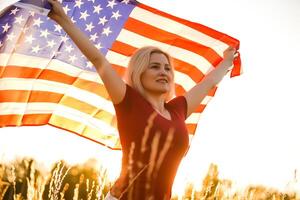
(164, 90)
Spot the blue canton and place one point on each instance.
(24, 32)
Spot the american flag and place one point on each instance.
(45, 79)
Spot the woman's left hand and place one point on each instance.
(229, 55)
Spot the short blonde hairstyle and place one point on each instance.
(139, 62)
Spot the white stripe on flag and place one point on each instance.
(178, 28)
(56, 109)
(60, 88)
(26, 108)
(139, 41)
(43, 63)
(84, 118)
(180, 78)
(193, 118)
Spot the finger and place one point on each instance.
(236, 54)
(52, 1)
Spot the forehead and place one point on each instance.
(158, 57)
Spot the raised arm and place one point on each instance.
(195, 95)
(112, 81)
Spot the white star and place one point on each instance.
(44, 33)
(35, 49)
(97, 9)
(111, 4)
(58, 28)
(102, 20)
(106, 31)
(69, 48)
(11, 36)
(19, 19)
(89, 27)
(78, 3)
(84, 15)
(89, 65)
(37, 22)
(5, 28)
(125, 1)
(72, 58)
(73, 20)
(29, 39)
(98, 46)
(116, 15)
(64, 38)
(94, 37)
(66, 9)
(51, 43)
(14, 11)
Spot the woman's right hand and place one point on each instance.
(57, 13)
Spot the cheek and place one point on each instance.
(172, 77)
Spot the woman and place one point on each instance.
(151, 126)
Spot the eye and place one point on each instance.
(154, 66)
(168, 68)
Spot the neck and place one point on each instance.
(157, 101)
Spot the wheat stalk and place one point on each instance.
(56, 181)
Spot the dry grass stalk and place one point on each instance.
(153, 154)
(62, 194)
(3, 185)
(30, 182)
(90, 192)
(102, 182)
(193, 193)
(147, 131)
(3, 188)
(76, 192)
(165, 149)
(152, 161)
(11, 177)
(56, 181)
(40, 188)
(130, 169)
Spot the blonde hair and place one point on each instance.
(139, 62)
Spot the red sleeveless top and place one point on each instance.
(152, 145)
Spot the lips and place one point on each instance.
(162, 80)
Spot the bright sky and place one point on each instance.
(250, 129)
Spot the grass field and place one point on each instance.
(22, 179)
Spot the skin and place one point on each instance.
(157, 80)
(151, 79)
(116, 86)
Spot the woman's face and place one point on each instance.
(158, 76)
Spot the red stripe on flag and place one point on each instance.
(23, 96)
(191, 128)
(199, 27)
(179, 65)
(27, 120)
(38, 120)
(123, 48)
(157, 34)
(119, 69)
(50, 75)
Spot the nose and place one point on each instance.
(163, 71)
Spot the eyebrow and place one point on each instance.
(157, 63)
